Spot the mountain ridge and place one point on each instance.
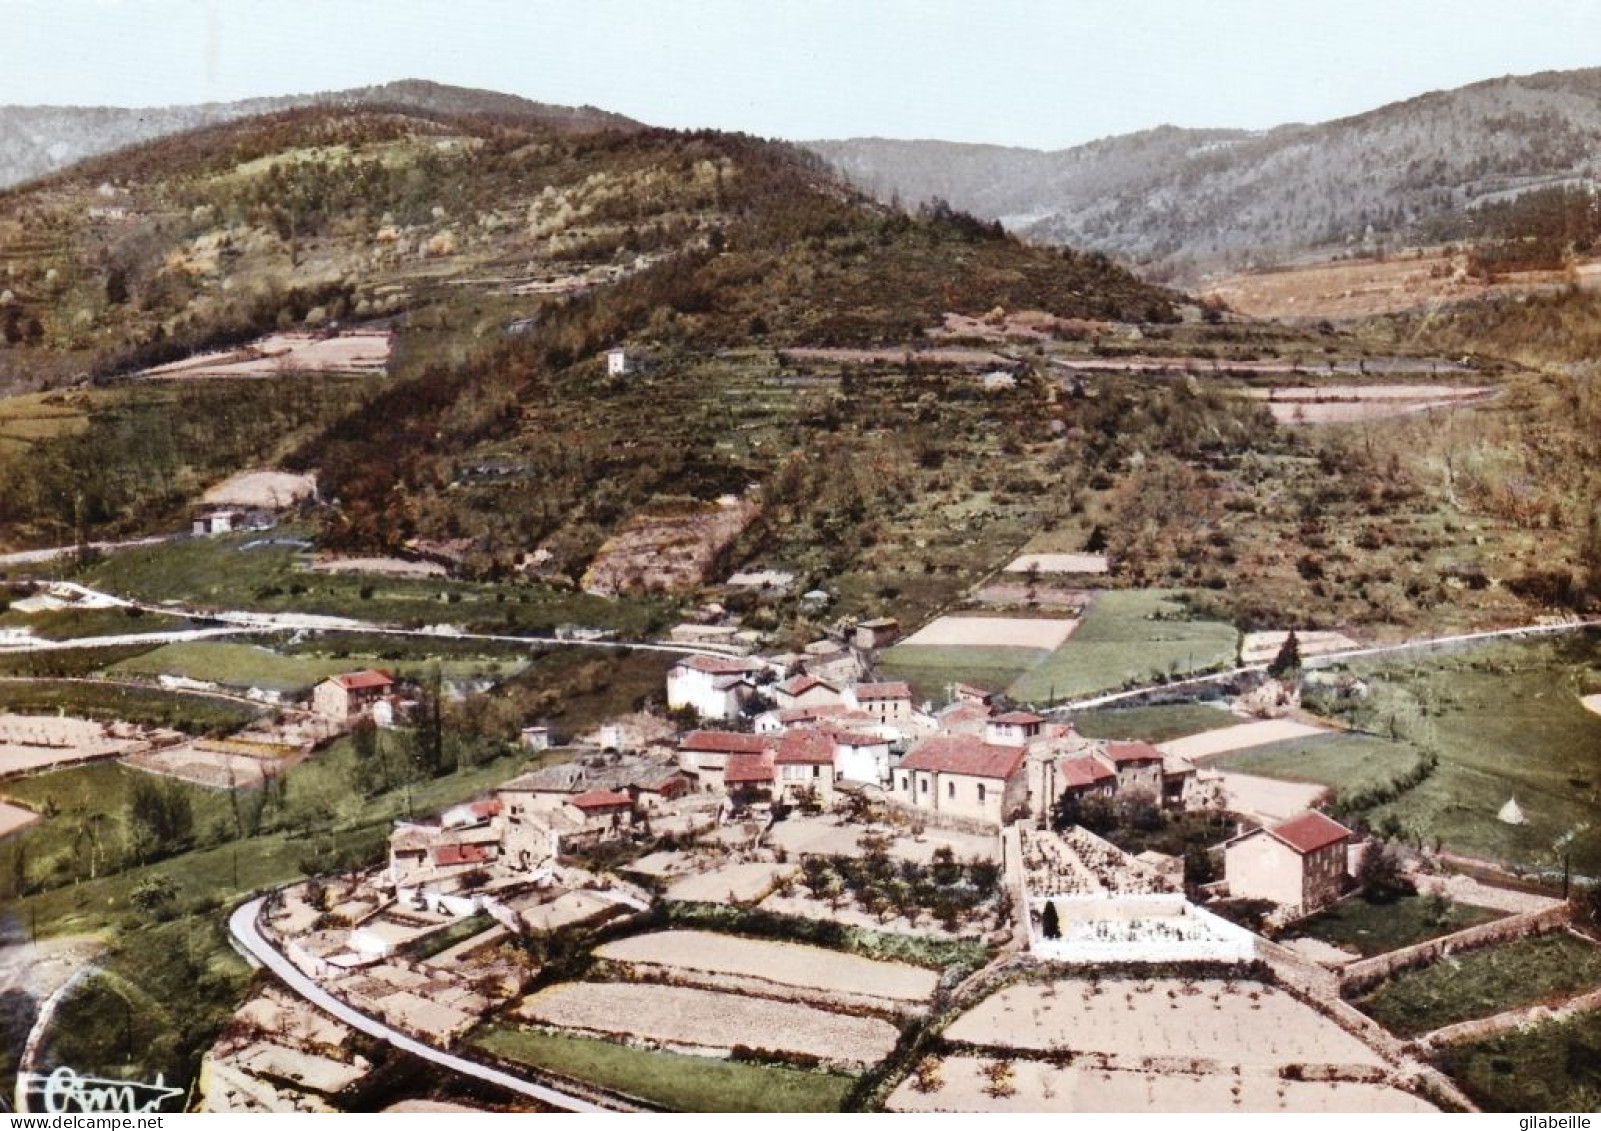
(1180, 200)
(38, 140)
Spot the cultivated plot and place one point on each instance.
(785, 964)
(705, 1019)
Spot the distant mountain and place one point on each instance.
(37, 140)
(1182, 199)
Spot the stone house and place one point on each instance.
(1299, 863)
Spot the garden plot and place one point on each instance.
(1128, 637)
(1059, 563)
(1263, 647)
(1341, 404)
(1268, 800)
(966, 1084)
(261, 490)
(380, 567)
(784, 964)
(277, 354)
(732, 883)
(992, 632)
(1034, 595)
(826, 836)
(1213, 743)
(36, 742)
(1244, 1023)
(193, 762)
(705, 1019)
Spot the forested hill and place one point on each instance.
(1183, 199)
(506, 254)
(37, 140)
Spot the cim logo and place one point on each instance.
(66, 1091)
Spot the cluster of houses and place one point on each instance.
(966, 765)
(808, 740)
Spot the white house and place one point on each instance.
(861, 757)
(714, 687)
(1015, 728)
(618, 362)
(217, 522)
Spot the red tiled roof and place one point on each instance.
(602, 799)
(806, 714)
(748, 768)
(895, 690)
(725, 742)
(1121, 752)
(1309, 832)
(718, 665)
(844, 737)
(448, 854)
(488, 808)
(809, 747)
(1019, 718)
(801, 684)
(356, 681)
(1076, 773)
(961, 754)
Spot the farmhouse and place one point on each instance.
(885, 702)
(1015, 728)
(218, 522)
(1138, 766)
(749, 772)
(705, 754)
(871, 634)
(641, 780)
(345, 697)
(806, 760)
(602, 809)
(806, 691)
(1299, 863)
(714, 687)
(963, 777)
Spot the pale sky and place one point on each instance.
(1016, 72)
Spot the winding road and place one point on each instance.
(242, 924)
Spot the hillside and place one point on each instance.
(1184, 200)
(38, 140)
(886, 404)
(503, 256)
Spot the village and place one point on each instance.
(738, 870)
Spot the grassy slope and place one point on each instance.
(220, 573)
(1371, 928)
(192, 713)
(1507, 721)
(1345, 761)
(1553, 1066)
(683, 1083)
(1153, 724)
(1485, 982)
(247, 665)
(1121, 641)
(930, 669)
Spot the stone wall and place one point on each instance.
(1483, 1027)
(1358, 976)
